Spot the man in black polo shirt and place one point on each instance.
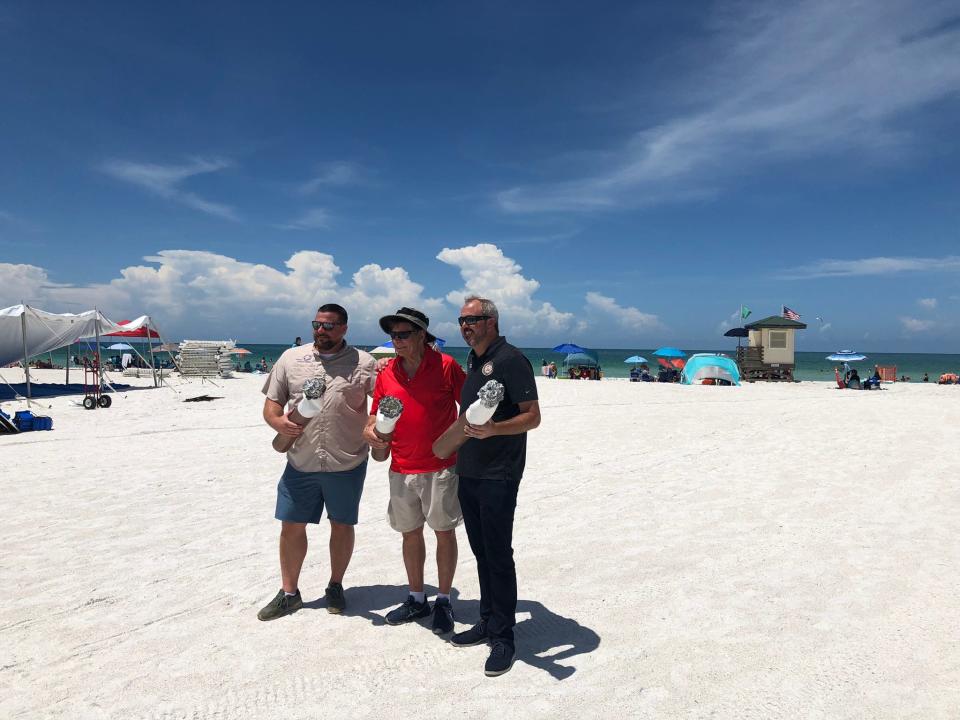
(490, 465)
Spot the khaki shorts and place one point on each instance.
(429, 498)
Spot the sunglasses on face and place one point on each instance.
(471, 319)
(325, 325)
(401, 334)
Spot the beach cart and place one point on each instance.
(93, 396)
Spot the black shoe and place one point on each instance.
(500, 660)
(281, 605)
(336, 602)
(477, 635)
(410, 610)
(442, 616)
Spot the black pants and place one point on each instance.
(488, 507)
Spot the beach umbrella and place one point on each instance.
(383, 351)
(669, 352)
(119, 346)
(846, 356)
(635, 359)
(238, 351)
(737, 333)
(568, 348)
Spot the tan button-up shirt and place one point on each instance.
(333, 440)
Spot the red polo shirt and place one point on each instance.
(429, 400)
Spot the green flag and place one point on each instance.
(744, 312)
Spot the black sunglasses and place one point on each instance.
(471, 319)
(401, 334)
(325, 325)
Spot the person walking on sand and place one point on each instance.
(327, 464)
(423, 488)
(490, 465)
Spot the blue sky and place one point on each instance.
(621, 176)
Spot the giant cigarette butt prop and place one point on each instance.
(307, 409)
(479, 412)
(388, 412)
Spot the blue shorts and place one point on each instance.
(302, 495)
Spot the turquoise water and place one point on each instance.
(810, 365)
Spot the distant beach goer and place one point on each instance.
(490, 465)
(553, 369)
(423, 488)
(327, 464)
(297, 342)
(926, 378)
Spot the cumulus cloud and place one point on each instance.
(628, 318)
(915, 325)
(193, 291)
(928, 303)
(777, 82)
(487, 272)
(165, 181)
(311, 219)
(825, 327)
(872, 266)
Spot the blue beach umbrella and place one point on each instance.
(635, 359)
(669, 352)
(569, 348)
(846, 356)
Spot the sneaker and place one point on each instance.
(500, 660)
(336, 602)
(281, 605)
(442, 616)
(477, 635)
(410, 610)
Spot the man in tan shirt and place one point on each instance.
(327, 463)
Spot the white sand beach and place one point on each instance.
(768, 551)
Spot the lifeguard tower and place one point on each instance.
(769, 352)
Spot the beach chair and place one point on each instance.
(888, 373)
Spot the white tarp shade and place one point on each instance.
(49, 331)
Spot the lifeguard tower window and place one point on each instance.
(778, 340)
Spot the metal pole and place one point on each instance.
(23, 332)
(153, 368)
(69, 347)
(99, 360)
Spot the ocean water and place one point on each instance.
(810, 365)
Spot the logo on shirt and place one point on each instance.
(487, 369)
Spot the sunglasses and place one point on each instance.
(471, 319)
(325, 325)
(401, 334)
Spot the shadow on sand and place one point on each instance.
(542, 639)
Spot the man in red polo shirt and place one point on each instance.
(423, 488)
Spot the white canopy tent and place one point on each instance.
(26, 331)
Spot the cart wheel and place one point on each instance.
(104, 401)
(89, 403)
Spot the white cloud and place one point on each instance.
(628, 318)
(165, 181)
(872, 266)
(335, 174)
(777, 82)
(825, 327)
(487, 272)
(311, 219)
(914, 325)
(928, 303)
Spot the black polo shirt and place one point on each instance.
(501, 457)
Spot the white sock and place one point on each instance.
(443, 596)
(290, 594)
(418, 596)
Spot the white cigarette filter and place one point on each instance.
(488, 397)
(313, 390)
(388, 412)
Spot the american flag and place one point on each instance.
(790, 314)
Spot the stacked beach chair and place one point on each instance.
(206, 358)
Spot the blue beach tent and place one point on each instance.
(707, 365)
